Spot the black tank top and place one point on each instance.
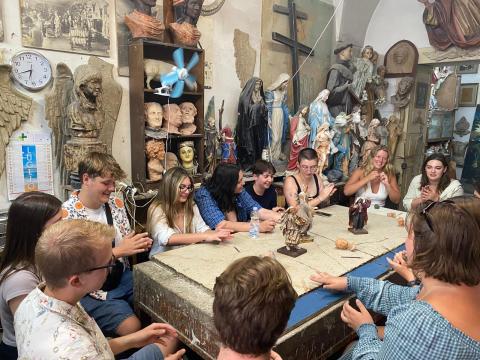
(299, 190)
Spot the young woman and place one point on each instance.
(224, 204)
(444, 310)
(307, 180)
(376, 181)
(28, 215)
(173, 218)
(432, 184)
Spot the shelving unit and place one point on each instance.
(140, 49)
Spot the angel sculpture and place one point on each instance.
(295, 223)
(14, 108)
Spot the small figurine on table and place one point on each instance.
(295, 223)
(357, 216)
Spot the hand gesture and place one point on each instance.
(330, 282)
(384, 179)
(354, 318)
(327, 191)
(278, 209)
(154, 333)
(427, 193)
(219, 235)
(267, 226)
(133, 244)
(400, 266)
(373, 176)
(177, 356)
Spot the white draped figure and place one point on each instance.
(318, 115)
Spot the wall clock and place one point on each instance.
(31, 70)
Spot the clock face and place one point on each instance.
(31, 70)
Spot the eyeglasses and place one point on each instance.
(311, 168)
(427, 208)
(109, 266)
(188, 188)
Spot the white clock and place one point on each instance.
(31, 70)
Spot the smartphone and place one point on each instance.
(321, 213)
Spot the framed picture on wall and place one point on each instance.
(468, 95)
(421, 95)
(401, 59)
(70, 26)
(467, 69)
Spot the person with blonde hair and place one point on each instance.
(173, 218)
(376, 180)
(74, 258)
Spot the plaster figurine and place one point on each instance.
(171, 160)
(382, 132)
(229, 148)
(358, 217)
(402, 98)
(278, 115)
(186, 154)
(251, 130)
(344, 244)
(172, 118)
(189, 111)
(380, 86)
(155, 151)
(15, 109)
(295, 223)
(299, 133)
(373, 139)
(187, 11)
(153, 115)
(144, 26)
(212, 138)
(394, 132)
(342, 140)
(318, 115)
(154, 68)
(339, 82)
(322, 146)
(364, 72)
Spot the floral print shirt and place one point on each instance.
(49, 329)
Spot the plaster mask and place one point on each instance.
(188, 112)
(172, 114)
(186, 154)
(153, 114)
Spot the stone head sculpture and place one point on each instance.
(172, 118)
(153, 114)
(189, 111)
(155, 149)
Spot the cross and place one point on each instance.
(293, 44)
(23, 136)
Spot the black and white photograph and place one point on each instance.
(80, 26)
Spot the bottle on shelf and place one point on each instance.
(254, 224)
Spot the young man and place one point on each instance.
(74, 258)
(253, 300)
(112, 309)
(261, 189)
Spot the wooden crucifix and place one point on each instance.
(293, 44)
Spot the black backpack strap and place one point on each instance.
(108, 213)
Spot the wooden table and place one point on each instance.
(176, 286)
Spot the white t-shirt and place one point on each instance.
(161, 232)
(99, 215)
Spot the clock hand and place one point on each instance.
(31, 65)
(30, 71)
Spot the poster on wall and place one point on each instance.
(29, 163)
(80, 26)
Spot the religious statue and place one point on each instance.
(342, 140)
(339, 82)
(155, 151)
(382, 132)
(373, 139)
(141, 23)
(186, 154)
(318, 115)
(364, 73)
(452, 23)
(153, 115)
(172, 118)
(380, 86)
(299, 133)
(402, 98)
(358, 217)
(212, 138)
(276, 100)
(251, 131)
(184, 28)
(229, 148)
(189, 111)
(322, 146)
(295, 223)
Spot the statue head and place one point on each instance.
(88, 82)
(211, 122)
(189, 111)
(367, 52)
(280, 83)
(405, 85)
(400, 54)
(344, 52)
(186, 152)
(155, 149)
(258, 85)
(381, 70)
(171, 160)
(323, 95)
(192, 11)
(153, 114)
(172, 116)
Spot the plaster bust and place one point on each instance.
(189, 111)
(401, 98)
(172, 118)
(187, 154)
(155, 151)
(153, 114)
(171, 160)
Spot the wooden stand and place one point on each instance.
(358, 231)
(293, 253)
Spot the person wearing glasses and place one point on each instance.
(375, 180)
(439, 319)
(74, 257)
(307, 180)
(111, 307)
(18, 273)
(224, 203)
(173, 218)
(432, 184)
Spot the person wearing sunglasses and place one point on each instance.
(307, 180)
(173, 218)
(432, 184)
(74, 258)
(437, 320)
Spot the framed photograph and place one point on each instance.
(468, 95)
(401, 59)
(79, 26)
(421, 95)
(441, 125)
(467, 69)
